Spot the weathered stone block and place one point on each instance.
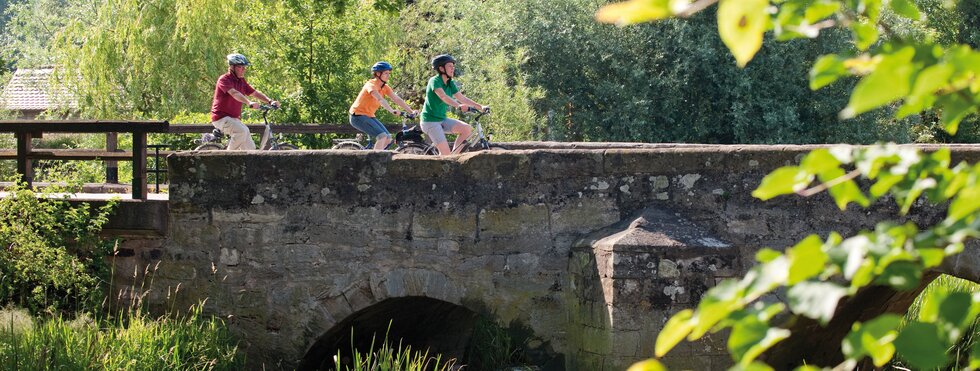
(511, 222)
(445, 222)
(494, 165)
(559, 164)
(583, 215)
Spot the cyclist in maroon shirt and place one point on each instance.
(230, 92)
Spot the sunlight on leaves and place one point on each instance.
(675, 330)
(785, 180)
(741, 25)
(816, 300)
(636, 11)
(647, 365)
(889, 81)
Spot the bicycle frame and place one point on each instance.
(476, 137)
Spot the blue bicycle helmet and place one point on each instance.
(236, 59)
(381, 66)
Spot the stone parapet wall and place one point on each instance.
(288, 244)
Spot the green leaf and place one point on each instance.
(931, 257)
(865, 34)
(676, 328)
(927, 83)
(975, 356)
(635, 11)
(873, 338)
(955, 108)
(816, 300)
(888, 82)
(966, 203)
(647, 365)
(819, 161)
(754, 366)
(843, 192)
(785, 180)
(716, 304)
(750, 337)
(766, 277)
(884, 184)
(766, 255)
(920, 345)
(955, 308)
(806, 259)
(901, 275)
(826, 70)
(906, 8)
(820, 10)
(741, 25)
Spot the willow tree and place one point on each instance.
(133, 58)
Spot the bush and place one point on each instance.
(53, 257)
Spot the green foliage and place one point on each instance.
(920, 73)
(491, 72)
(134, 341)
(926, 304)
(892, 254)
(53, 258)
(492, 347)
(388, 356)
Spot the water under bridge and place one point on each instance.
(583, 251)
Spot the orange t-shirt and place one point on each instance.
(366, 104)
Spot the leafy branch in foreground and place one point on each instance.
(816, 273)
(922, 74)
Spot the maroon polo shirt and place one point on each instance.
(224, 105)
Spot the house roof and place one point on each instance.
(31, 89)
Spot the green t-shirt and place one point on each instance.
(434, 109)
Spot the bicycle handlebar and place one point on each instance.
(485, 111)
(267, 107)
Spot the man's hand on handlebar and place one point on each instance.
(470, 109)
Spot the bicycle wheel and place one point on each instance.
(348, 146)
(497, 147)
(416, 149)
(285, 147)
(209, 147)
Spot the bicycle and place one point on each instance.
(408, 140)
(478, 139)
(214, 140)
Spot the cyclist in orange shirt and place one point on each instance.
(371, 97)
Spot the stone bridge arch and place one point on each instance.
(302, 240)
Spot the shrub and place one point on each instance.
(52, 257)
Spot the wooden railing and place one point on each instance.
(25, 130)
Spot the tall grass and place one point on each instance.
(959, 353)
(388, 357)
(130, 341)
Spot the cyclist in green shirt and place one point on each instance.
(440, 94)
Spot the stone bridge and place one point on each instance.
(581, 253)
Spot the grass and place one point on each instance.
(133, 340)
(388, 357)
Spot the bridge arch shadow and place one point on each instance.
(420, 322)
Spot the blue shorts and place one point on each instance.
(369, 125)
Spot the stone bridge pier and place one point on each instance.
(582, 254)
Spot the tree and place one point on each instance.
(918, 74)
